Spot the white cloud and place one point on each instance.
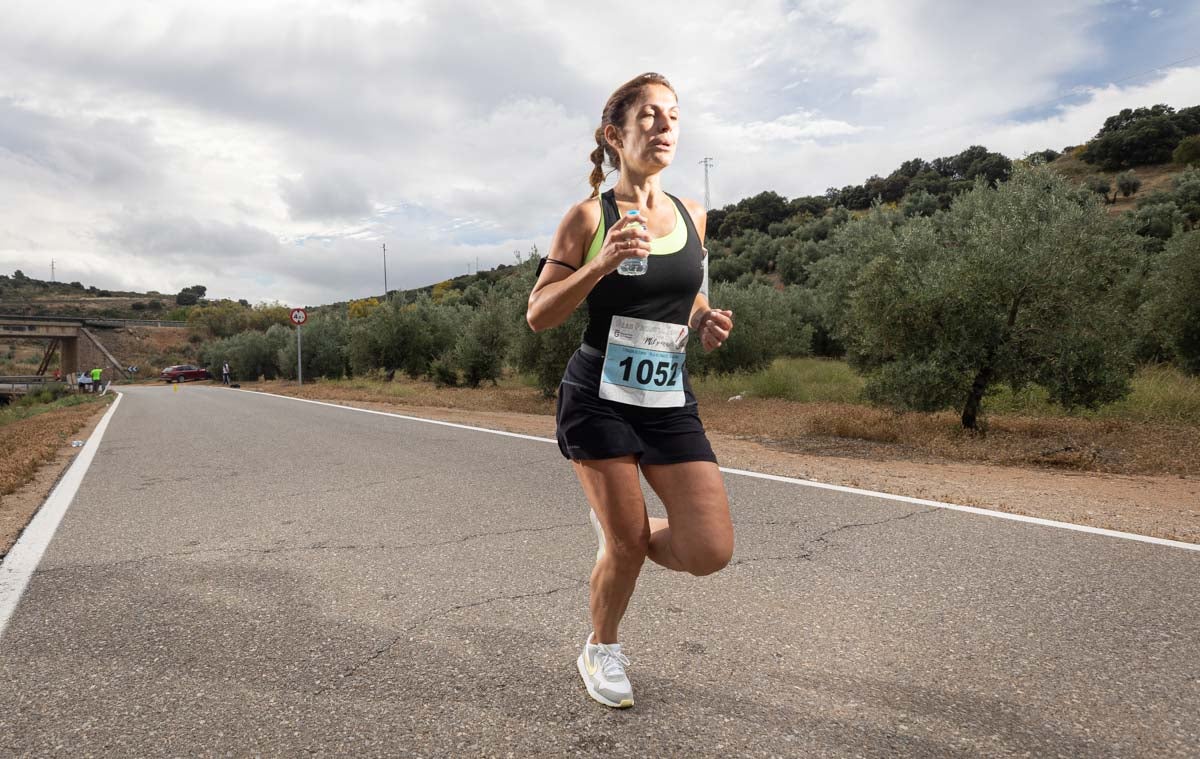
(268, 149)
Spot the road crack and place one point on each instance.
(384, 649)
(822, 540)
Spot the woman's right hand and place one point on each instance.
(627, 238)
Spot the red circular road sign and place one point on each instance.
(299, 316)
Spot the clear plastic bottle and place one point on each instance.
(633, 267)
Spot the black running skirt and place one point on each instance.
(591, 427)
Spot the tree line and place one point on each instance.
(981, 272)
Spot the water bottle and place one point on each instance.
(633, 267)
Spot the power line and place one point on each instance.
(1077, 93)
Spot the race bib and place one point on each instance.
(643, 363)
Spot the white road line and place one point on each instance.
(795, 481)
(23, 559)
(401, 416)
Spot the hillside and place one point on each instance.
(1154, 178)
(25, 295)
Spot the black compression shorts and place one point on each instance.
(591, 427)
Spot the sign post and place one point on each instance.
(299, 316)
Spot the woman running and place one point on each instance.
(625, 401)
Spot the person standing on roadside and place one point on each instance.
(225, 373)
(96, 375)
(625, 402)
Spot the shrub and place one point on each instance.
(1135, 137)
(403, 336)
(323, 346)
(1174, 306)
(1044, 156)
(920, 203)
(250, 354)
(1101, 186)
(767, 323)
(545, 354)
(442, 371)
(1160, 220)
(1187, 152)
(480, 349)
(1128, 183)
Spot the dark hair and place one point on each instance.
(614, 113)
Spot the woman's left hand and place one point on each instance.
(714, 326)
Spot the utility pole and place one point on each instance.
(708, 162)
(52, 279)
(385, 290)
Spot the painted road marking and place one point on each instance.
(23, 559)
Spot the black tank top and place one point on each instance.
(665, 293)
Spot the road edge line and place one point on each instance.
(796, 481)
(23, 558)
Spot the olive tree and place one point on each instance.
(1174, 307)
(1128, 183)
(1019, 284)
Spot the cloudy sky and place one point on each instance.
(268, 149)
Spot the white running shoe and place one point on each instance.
(599, 534)
(602, 668)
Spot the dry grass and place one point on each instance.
(511, 395)
(20, 356)
(1092, 445)
(30, 437)
(149, 348)
(1155, 177)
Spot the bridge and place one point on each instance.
(61, 334)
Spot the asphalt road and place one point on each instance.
(242, 574)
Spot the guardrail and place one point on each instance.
(22, 385)
(98, 321)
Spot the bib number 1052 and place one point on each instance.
(647, 372)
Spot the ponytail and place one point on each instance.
(597, 177)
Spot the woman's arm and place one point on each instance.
(714, 325)
(559, 291)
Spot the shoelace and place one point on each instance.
(612, 663)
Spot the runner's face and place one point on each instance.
(651, 130)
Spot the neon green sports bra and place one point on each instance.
(672, 242)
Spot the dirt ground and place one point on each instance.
(1165, 506)
(36, 468)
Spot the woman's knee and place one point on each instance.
(628, 547)
(707, 557)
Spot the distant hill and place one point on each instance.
(1126, 142)
(21, 294)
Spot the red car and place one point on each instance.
(183, 373)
